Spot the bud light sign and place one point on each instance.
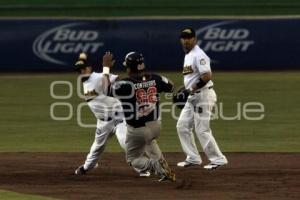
(66, 39)
(219, 38)
(232, 44)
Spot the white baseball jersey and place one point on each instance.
(101, 105)
(196, 63)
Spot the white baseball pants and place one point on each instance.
(196, 115)
(105, 130)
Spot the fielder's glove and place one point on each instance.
(180, 97)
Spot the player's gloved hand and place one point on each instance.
(180, 97)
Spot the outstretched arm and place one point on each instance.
(107, 63)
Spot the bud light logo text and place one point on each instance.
(218, 37)
(71, 38)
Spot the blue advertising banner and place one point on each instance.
(232, 44)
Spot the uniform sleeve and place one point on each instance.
(113, 77)
(121, 89)
(166, 85)
(203, 64)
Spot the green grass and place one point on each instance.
(26, 125)
(7, 195)
(106, 8)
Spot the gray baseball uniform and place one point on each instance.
(140, 101)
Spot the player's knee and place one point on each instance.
(122, 142)
(133, 162)
(182, 127)
(99, 143)
(201, 130)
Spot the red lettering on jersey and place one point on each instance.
(148, 96)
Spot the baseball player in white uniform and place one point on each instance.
(197, 110)
(107, 110)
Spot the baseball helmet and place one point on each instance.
(134, 61)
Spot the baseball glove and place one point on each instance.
(180, 97)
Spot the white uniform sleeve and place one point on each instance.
(113, 77)
(203, 63)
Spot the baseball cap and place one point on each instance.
(82, 62)
(188, 33)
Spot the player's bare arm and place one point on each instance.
(107, 63)
(108, 60)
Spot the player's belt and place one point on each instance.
(141, 124)
(106, 119)
(137, 125)
(210, 87)
(88, 100)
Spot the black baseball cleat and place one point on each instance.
(168, 174)
(80, 171)
(163, 179)
(171, 177)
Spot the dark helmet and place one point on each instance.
(134, 61)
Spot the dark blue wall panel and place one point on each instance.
(53, 45)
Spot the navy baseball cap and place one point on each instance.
(188, 33)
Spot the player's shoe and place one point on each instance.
(80, 171)
(96, 166)
(163, 179)
(142, 173)
(186, 164)
(145, 174)
(213, 166)
(167, 172)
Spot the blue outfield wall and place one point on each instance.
(232, 44)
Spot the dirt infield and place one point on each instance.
(248, 176)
